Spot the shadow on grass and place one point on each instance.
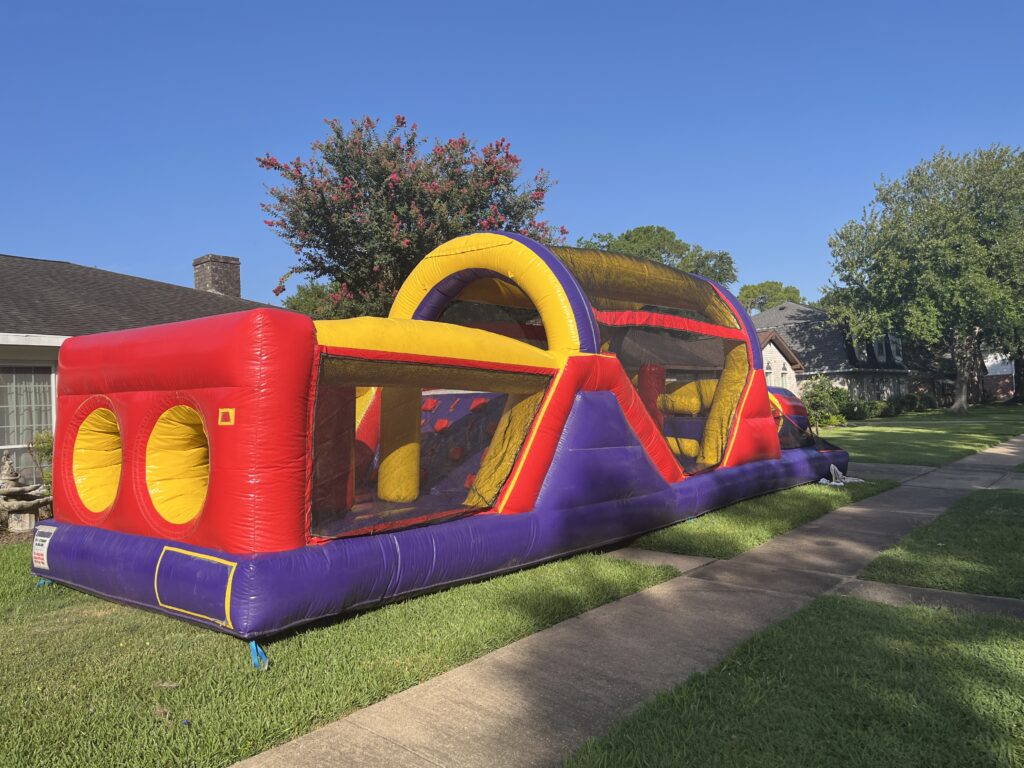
(928, 439)
(842, 683)
(974, 547)
(87, 682)
(739, 527)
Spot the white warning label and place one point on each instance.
(40, 546)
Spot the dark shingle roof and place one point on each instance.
(63, 299)
(819, 346)
(787, 313)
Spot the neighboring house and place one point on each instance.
(873, 372)
(998, 379)
(781, 365)
(44, 302)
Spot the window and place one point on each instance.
(782, 376)
(897, 348)
(26, 407)
(768, 374)
(880, 349)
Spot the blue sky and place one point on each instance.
(130, 131)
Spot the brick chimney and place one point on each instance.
(218, 274)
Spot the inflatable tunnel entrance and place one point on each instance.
(438, 429)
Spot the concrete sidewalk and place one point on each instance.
(899, 595)
(536, 700)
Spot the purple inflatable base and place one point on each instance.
(253, 596)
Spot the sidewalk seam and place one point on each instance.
(382, 737)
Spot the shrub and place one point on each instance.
(41, 451)
(826, 404)
(842, 400)
(856, 410)
(926, 401)
(832, 421)
(876, 408)
(894, 405)
(910, 402)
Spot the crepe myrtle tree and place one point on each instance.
(370, 202)
(938, 257)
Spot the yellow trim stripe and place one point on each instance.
(737, 416)
(772, 400)
(201, 556)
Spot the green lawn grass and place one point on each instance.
(84, 682)
(977, 546)
(932, 438)
(844, 683)
(734, 529)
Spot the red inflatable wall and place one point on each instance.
(247, 374)
(755, 434)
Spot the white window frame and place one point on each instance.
(53, 393)
(896, 343)
(880, 355)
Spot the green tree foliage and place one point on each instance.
(938, 257)
(41, 451)
(826, 403)
(370, 203)
(758, 297)
(663, 245)
(325, 301)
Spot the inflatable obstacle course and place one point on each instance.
(255, 471)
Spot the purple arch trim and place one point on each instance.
(442, 294)
(741, 314)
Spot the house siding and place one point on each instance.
(777, 370)
(874, 385)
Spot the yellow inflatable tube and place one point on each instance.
(424, 337)
(508, 258)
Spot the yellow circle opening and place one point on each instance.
(96, 460)
(178, 464)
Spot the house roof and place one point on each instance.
(788, 313)
(819, 345)
(59, 298)
(774, 337)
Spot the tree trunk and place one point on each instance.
(1018, 377)
(977, 393)
(960, 392)
(963, 361)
